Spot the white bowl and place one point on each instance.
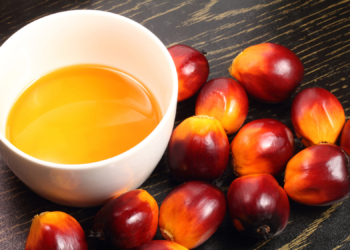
(81, 37)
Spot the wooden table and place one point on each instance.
(318, 31)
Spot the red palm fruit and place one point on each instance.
(55, 231)
(345, 138)
(161, 245)
(258, 206)
(192, 69)
(128, 220)
(269, 72)
(262, 146)
(198, 149)
(317, 116)
(318, 175)
(191, 213)
(224, 99)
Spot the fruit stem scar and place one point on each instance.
(298, 142)
(98, 234)
(264, 230)
(204, 116)
(167, 235)
(324, 142)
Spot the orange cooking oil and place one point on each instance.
(82, 114)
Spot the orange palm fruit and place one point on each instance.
(269, 72)
(318, 175)
(129, 220)
(55, 231)
(345, 138)
(191, 213)
(224, 99)
(192, 69)
(198, 149)
(262, 146)
(258, 206)
(161, 245)
(317, 116)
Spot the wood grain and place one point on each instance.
(318, 31)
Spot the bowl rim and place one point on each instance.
(118, 158)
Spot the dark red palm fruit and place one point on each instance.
(262, 146)
(198, 149)
(318, 176)
(55, 231)
(345, 138)
(192, 69)
(269, 72)
(224, 99)
(317, 116)
(161, 245)
(128, 220)
(191, 213)
(258, 206)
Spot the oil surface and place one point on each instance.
(82, 114)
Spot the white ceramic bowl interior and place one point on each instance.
(81, 37)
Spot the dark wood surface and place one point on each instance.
(318, 31)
